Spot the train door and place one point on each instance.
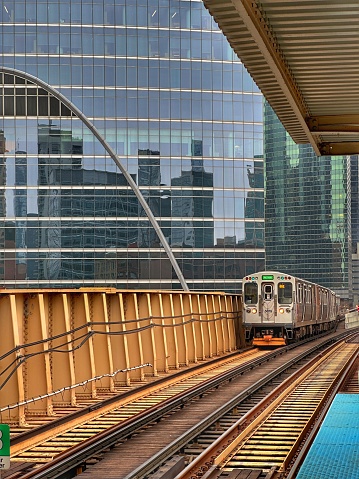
(268, 301)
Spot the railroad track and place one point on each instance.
(42, 444)
(266, 441)
(68, 449)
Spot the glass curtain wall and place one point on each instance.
(161, 84)
(308, 210)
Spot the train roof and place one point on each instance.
(278, 273)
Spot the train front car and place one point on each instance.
(268, 308)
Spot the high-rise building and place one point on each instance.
(354, 170)
(308, 210)
(161, 85)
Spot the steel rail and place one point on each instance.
(139, 391)
(299, 458)
(326, 401)
(77, 455)
(208, 460)
(166, 453)
(105, 405)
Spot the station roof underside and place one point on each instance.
(304, 57)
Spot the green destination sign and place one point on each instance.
(267, 277)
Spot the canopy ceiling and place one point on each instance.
(304, 57)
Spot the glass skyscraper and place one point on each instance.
(308, 210)
(161, 85)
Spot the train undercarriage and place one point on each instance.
(273, 335)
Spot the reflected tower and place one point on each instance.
(2, 204)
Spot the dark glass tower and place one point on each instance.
(308, 210)
(160, 83)
(354, 169)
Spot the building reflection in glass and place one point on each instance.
(165, 90)
(149, 175)
(307, 211)
(2, 203)
(53, 171)
(88, 223)
(20, 208)
(190, 203)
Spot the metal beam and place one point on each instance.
(333, 123)
(342, 148)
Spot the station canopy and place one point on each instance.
(304, 57)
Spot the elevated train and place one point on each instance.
(279, 308)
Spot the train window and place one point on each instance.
(251, 293)
(300, 293)
(285, 295)
(267, 292)
(308, 295)
(325, 297)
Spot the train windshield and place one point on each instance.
(251, 293)
(285, 295)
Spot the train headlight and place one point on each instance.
(248, 310)
(254, 310)
(288, 310)
(281, 310)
